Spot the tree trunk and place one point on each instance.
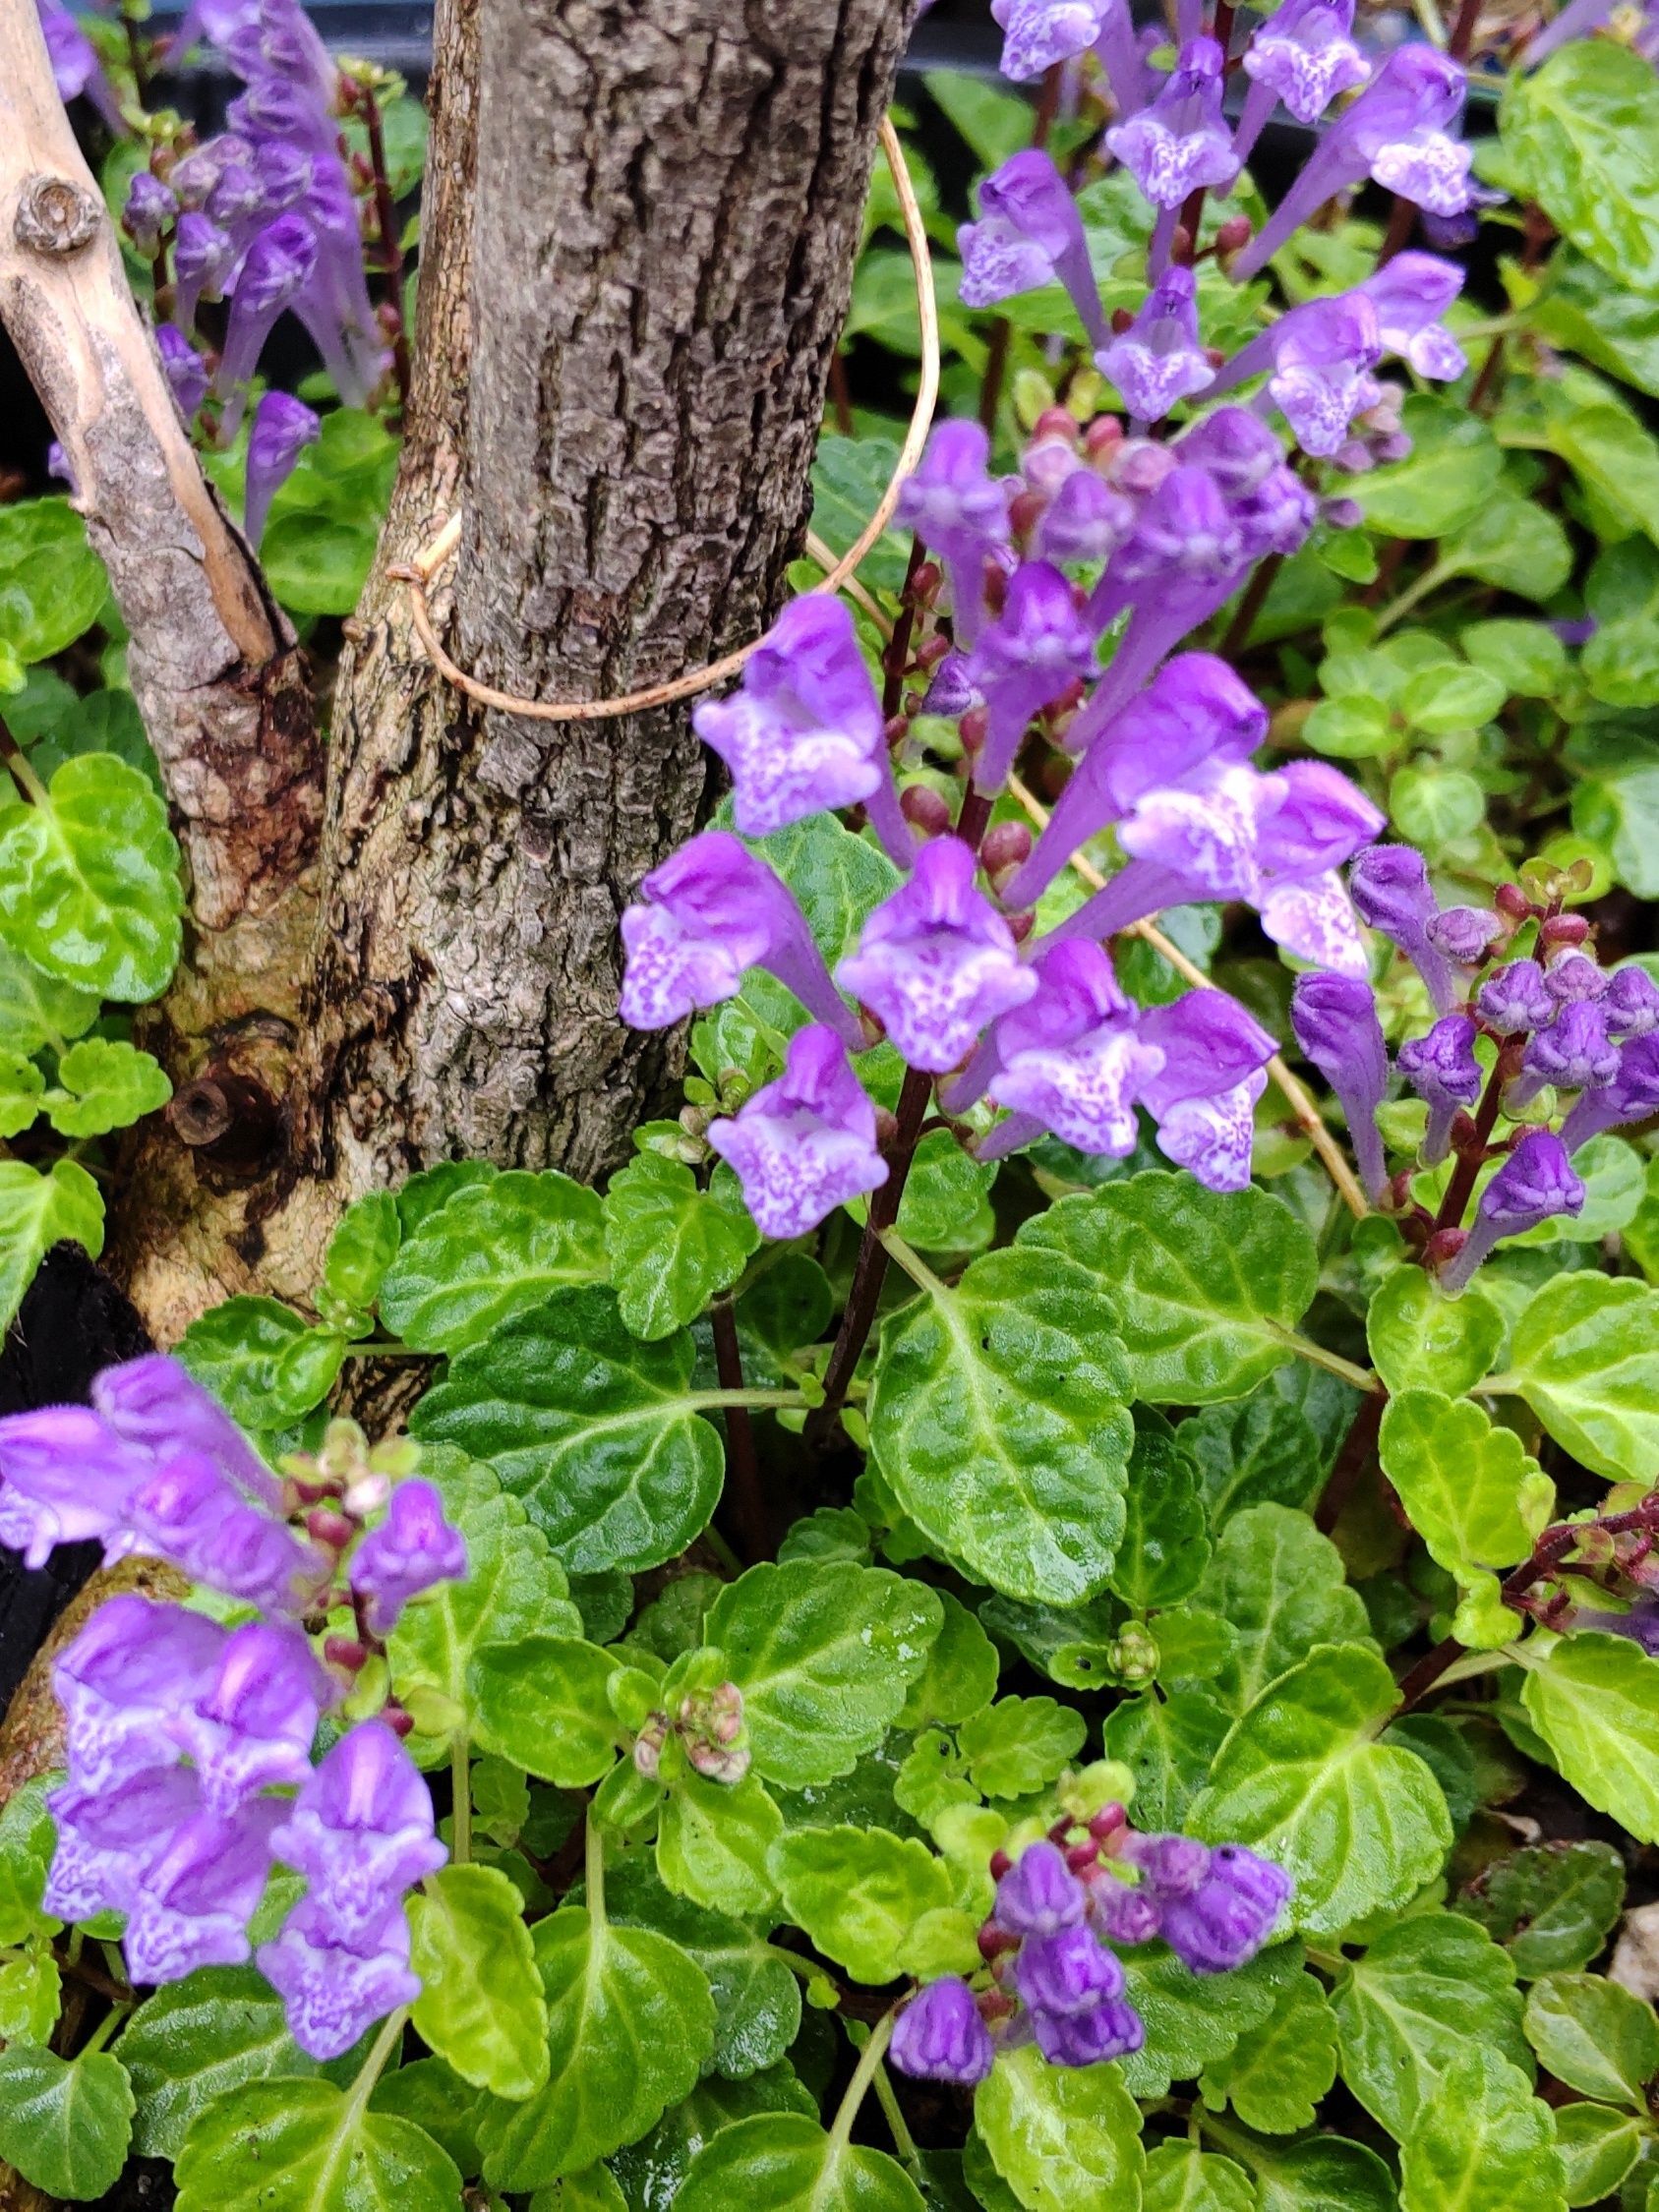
(640, 224)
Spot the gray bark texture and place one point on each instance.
(639, 227)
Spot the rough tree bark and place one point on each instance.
(640, 224)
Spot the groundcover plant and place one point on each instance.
(1048, 1600)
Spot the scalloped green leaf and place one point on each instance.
(784, 2158)
(1472, 1491)
(1192, 2020)
(1208, 1285)
(672, 1244)
(200, 2039)
(64, 2124)
(1551, 1905)
(53, 585)
(492, 1250)
(756, 1995)
(1181, 2178)
(104, 1084)
(263, 1362)
(1420, 1339)
(480, 2007)
(1594, 1700)
(1064, 2139)
(1582, 131)
(1585, 1357)
(1277, 2072)
(857, 1893)
(37, 1211)
(1482, 2142)
(302, 2146)
(541, 1702)
(1597, 2037)
(1282, 1586)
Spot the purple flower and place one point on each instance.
(1324, 354)
(1389, 885)
(107, 1832)
(960, 511)
(1160, 357)
(1513, 999)
(1070, 1060)
(188, 1512)
(1440, 1066)
(1123, 1911)
(1181, 141)
(1084, 520)
(1225, 1919)
(1066, 1973)
(1214, 1137)
(203, 256)
(1396, 131)
(1038, 34)
(1640, 1624)
(153, 1404)
(711, 912)
(75, 65)
(951, 693)
(412, 1549)
(1535, 1183)
(1335, 1018)
(1631, 1096)
(1574, 976)
(939, 2036)
(274, 269)
(1037, 647)
(1111, 2029)
(1030, 234)
(123, 1681)
(804, 1144)
(1463, 933)
(150, 209)
(332, 1990)
(283, 427)
(936, 961)
(254, 1725)
(1632, 1003)
(1410, 294)
(65, 1478)
(804, 732)
(1303, 55)
(186, 371)
(1574, 1053)
(196, 1896)
(1039, 1895)
(361, 1830)
(1169, 1866)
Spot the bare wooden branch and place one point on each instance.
(213, 664)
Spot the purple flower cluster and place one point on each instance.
(177, 1728)
(1054, 1978)
(265, 215)
(1552, 1018)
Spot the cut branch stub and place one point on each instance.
(55, 216)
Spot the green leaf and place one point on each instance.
(960, 1675)
(1473, 1493)
(1594, 1700)
(541, 1702)
(362, 1247)
(823, 1656)
(300, 2146)
(846, 472)
(653, 2168)
(857, 1893)
(22, 1087)
(90, 882)
(494, 1250)
(1165, 1544)
(1441, 701)
(1435, 807)
(997, 1416)
(31, 1991)
(712, 1841)
(1598, 2149)
(1351, 726)
(1450, 473)
(35, 1008)
(438, 2101)
(1192, 2020)
(1582, 131)
(27, 1840)
(1282, 1588)
(1428, 1989)
(1180, 2178)
(1261, 1450)
(514, 1587)
(1585, 1356)
(1021, 1744)
(262, 1363)
(1324, 2174)
(37, 1211)
(199, 2039)
(53, 585)
(1526, 658)
(597, 1432)
(1482, 2142)
(1419, 1339)
(104, 1084)
(673, 1247)
(64, 2124)
(1552, 1906)
(994, 120)
(1277, 2072)
(1359, 1825)
(756, 1995)
(785, 2158)
(1513, 544)
(1168, 1744)
(1595, 2036)
(1064, 2139)
(631, 2023)
(1208, 1284)
(480, 2006)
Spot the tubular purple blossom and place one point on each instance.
(961, 513)
(1039, 1895)
(1574, 976)
(1159, 359)
(1631, 1096)
(1066, 1973)
(1390, 886)
(197, 1893)
(1303, 55)
(1180, 141)
(806, 1144)
(65, 1478)
(709, 913)
(1410, 294)
(1335, 1018)
(1038, 646)
(939, 2036)
(1031, 234)
(1223, 1921)
(1070, 1060)
(1323, 359)
(106, 1835)
(1440, 1066)
(149, 210)
(253, 1725)
(186, 371)
(1535, 1183)
(804, 732)
(1632, 1003)
(275, 270)
(1112, 2029)
(153, 1404)
(122, 1682)
(203, 256)
(413, 1548)
(1513, 999)
(1574, 1053)
(283, 427)
(332, 1990)
(360, 1831)
(936, 961)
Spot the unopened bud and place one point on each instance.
(994, 1940)
(345, 1651)
(1102, 437)
(397, 1721)
(1025, 512)
(1133, 1656)
(886, 1126)
(1080, 1857)
(1234, 235)
(925, 810)
(925, 583)
(1443, 1247)
(1122, 319)
(1005, 844)
(1000, 1864)
(932, 650)
(1056, 421)
(1463, 1132)
(716, 1763)
(1563, 929)
(1106, 1822)
(994, 587)
(330, 1529)
(973, 728)
(1020, 926)
(1511, 899)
